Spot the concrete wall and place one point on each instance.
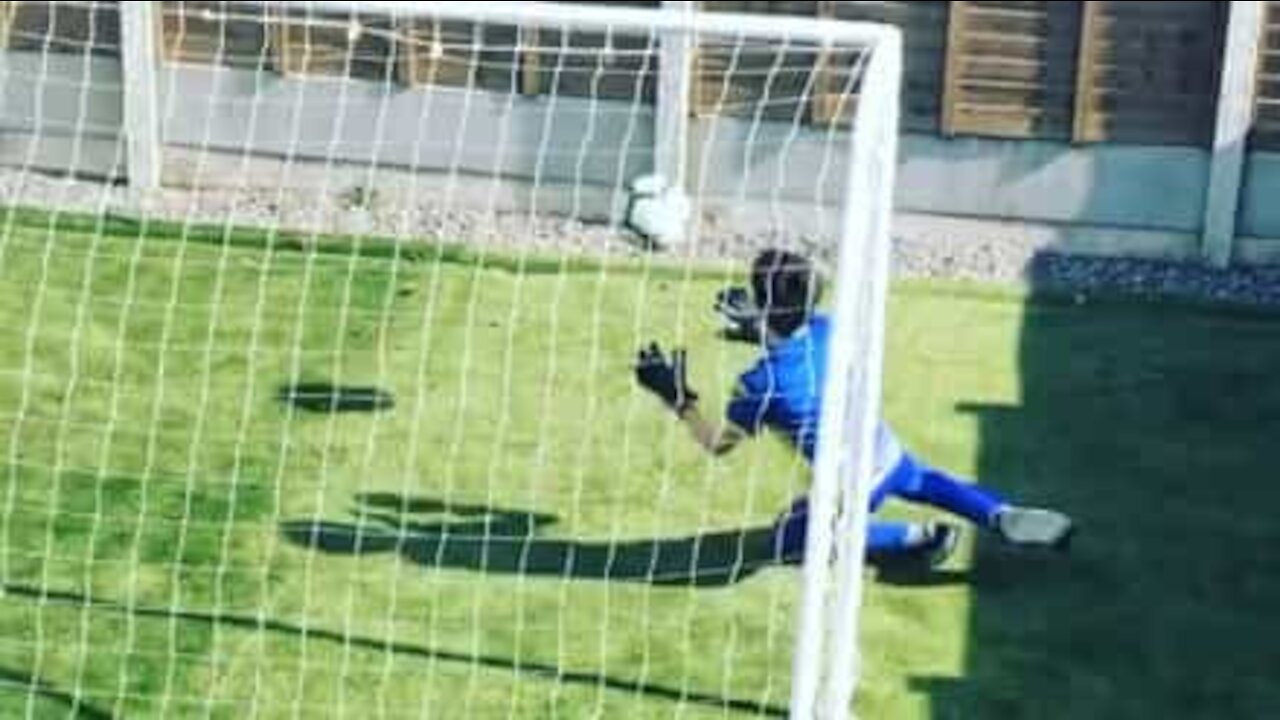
(1260, 205)
(1154, 188)
(1260, 210)
(358, 122)
(73, 101)
(1118, 191)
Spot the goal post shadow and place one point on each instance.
(256, 623)
(37, 693)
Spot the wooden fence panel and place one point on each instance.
(615, 67)
(736, 79)
(7, 11)
(76, 28)
(436, 52)
(333, 44)
(1149, 71)
(1127, 71)
(1266, 134)
(492, 57)
(213, 33)
(367, 47)
(1010, 69)
(924, 30)
(755, 79)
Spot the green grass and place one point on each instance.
(175, 541)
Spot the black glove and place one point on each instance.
(664, 378)
(740, 314)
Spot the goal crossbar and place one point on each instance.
(824, 33)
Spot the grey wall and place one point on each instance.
(326, 118)
(60, 112)
(1155, 188)
(73, 102)
(1260, 204)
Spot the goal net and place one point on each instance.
(319, 388)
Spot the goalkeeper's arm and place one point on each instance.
(668, 381)
(717, 439)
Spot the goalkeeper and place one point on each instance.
(781, 393)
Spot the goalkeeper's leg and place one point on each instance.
(932, 543)
(1016, 524)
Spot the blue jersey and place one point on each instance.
(783, 392)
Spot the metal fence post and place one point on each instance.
(1231, 130)
(672, 106)
(139, 57)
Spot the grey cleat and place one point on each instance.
(1034, 527)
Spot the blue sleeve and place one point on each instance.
(750, 407)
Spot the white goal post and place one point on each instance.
(825, 656)
(733, 165)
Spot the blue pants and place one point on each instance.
(909, 480)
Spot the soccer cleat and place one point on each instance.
(1035, 527)
(939, 544)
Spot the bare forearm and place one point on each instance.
(714, 438)
(666, 379)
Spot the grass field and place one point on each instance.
(175, 541)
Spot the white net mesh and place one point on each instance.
(341, 417)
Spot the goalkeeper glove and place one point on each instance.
(741, 316)
(665, 378)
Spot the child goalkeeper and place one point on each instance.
(781, 392)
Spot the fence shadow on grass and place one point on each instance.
(1155, 426)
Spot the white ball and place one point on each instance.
(657, 212)
(648, 185)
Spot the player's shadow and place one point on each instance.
(436, 534)
(485, 539)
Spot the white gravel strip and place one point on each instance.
(400, 212)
